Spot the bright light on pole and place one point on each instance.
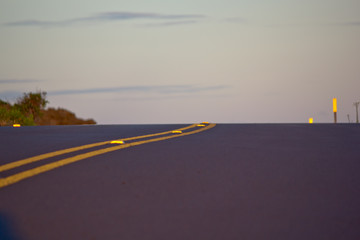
(334, 105)
(335, 109)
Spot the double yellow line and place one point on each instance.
(47, 167)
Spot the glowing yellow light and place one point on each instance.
(117, 142)
(200, 125)
(334, 105)
(311, 120)
(205, 122)
(16, 125)
(176, 131)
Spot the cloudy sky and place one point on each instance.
(171, 61)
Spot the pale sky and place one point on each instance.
(167, 61)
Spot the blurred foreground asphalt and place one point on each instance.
(234, 181)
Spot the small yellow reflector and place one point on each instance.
(16, 125)
(117, 142)
(311, 120)
(205, 122)
(334, 105)
(201, 125)
(176, 131)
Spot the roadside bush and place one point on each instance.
(30, 110)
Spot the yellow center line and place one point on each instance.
(37, 170)
(74, 149)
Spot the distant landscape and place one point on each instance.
(30, 110)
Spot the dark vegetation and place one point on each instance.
(29, 110)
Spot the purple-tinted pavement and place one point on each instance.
(234, 181)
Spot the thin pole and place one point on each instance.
(356, 104)
(335, 109)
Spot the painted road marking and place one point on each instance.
(176, 131)
(47, 167)
(117, 142)
(74, 149)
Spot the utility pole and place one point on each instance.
(335, 109)
(356, 104)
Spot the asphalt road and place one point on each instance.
(233, 181)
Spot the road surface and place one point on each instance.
(232, 181)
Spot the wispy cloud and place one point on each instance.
(167, 24)
(138, 93)
(164, 89)
(166, 97)
(134, 15)
(236, 20)
(10, 95)
(106, 17)
(18, 81)
(349, 24)
(318, 24)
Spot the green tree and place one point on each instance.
(30, 110)
(25, 111)
(11, 114)
(16, 116)
(31, 104)
(4, 113)
(3, 116)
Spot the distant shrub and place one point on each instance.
(12, 114)
(30, 110)
(61, 116)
